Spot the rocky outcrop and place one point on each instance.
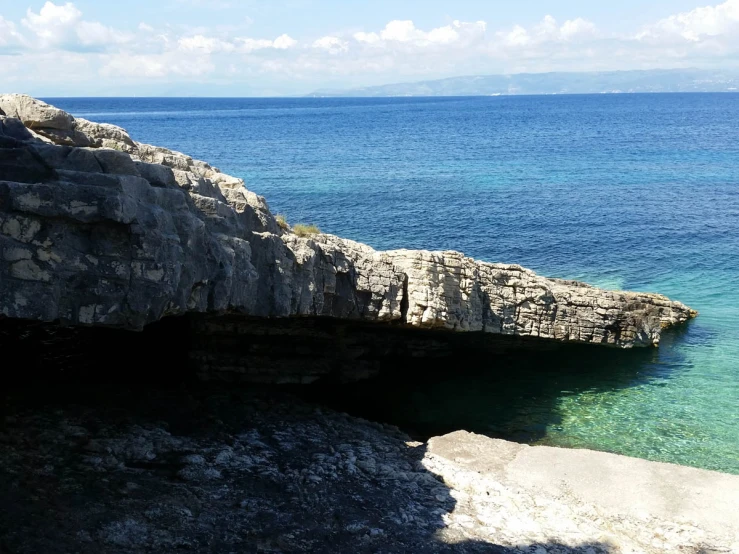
(100, 234)
(98, 229)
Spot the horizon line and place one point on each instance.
(377, 97)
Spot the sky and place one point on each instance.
(294, 47)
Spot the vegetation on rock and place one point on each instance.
(304, 230)
(282, 222)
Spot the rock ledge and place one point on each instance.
(99, 230)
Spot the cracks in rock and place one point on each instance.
(126, 296)
(404, 300)
(360, 308)
(38, 158)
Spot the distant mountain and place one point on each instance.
(657, 80)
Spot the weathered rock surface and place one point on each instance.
(108, 470)
(97, 229)
(543, 492)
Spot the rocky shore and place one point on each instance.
(193, 469)
(118, 257)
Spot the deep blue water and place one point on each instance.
(635, 192)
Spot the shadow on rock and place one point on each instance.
(113, 469)
(112, 445)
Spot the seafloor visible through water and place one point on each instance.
(635, 192)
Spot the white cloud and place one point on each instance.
(9, 36)
(157, 65)
(369, 38)
(248, 45)
(53, 24)
(697, 24)
(206, 45)
(405, 31)
(443, 35)
(284, 42)
(577, 28)
(518, 36)
(332, 45)
(94, 33)
(145, 27)
(62, 25)
(402, 31)
(548, 30)
(131, 66)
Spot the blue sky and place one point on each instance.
(284, 47)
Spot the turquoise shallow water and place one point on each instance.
(635, 192)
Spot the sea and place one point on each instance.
(624, 191)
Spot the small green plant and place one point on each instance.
(303, 230)
(282, 222)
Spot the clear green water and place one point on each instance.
(635, 192)
(683, 405)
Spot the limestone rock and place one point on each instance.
(509, 490)
(35, 114)
(105, 135)
(112, 232)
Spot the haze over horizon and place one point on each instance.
(296, 47)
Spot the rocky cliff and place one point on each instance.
(99, 230)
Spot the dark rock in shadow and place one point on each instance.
(110, 445)
(114, 469)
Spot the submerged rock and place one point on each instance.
(99, 230)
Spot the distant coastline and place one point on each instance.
(607, 82)
(51, 98)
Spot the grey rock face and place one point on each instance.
(97, 229)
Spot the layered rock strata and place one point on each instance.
(97, 229)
